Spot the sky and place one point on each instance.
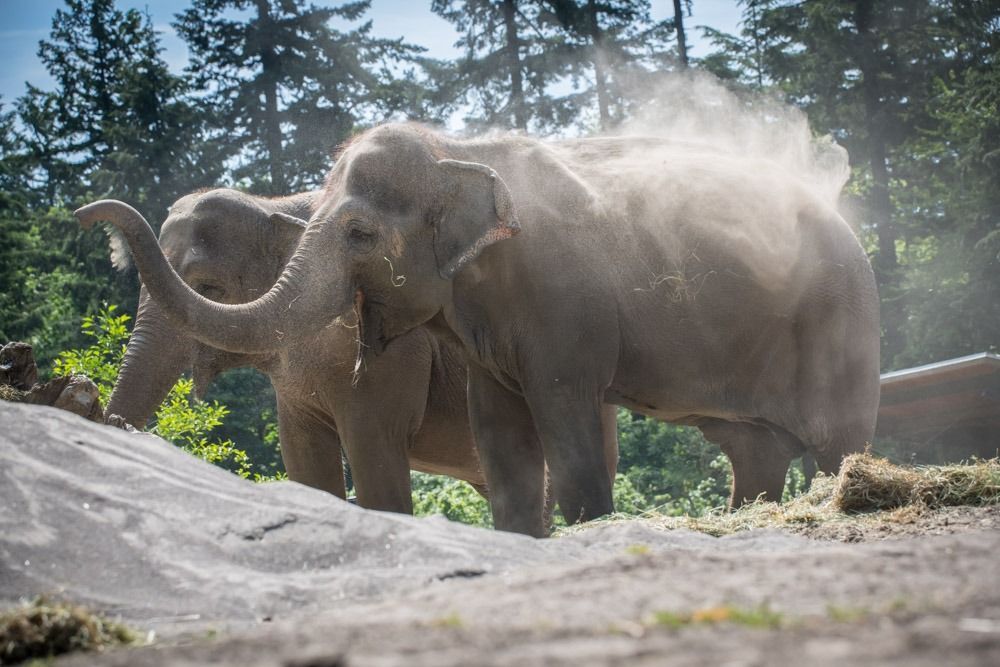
(24, 22)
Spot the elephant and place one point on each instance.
(406, 411)
(685, 283)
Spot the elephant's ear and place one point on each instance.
(288, 228)
(478, 211)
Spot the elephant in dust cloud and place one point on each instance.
(407, 410)
(685, 284)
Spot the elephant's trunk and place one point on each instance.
(301, 302)
(157, 353)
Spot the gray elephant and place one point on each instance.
(688, 285)
(406, 411)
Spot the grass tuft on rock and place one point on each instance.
(868, 485)
(761, 617)
(46, 629)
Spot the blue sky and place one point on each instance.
(25, 22)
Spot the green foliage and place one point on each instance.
(118, 123)
(252, 420)
(670, 467)
(454, 499)
(187, 423)
(100, 360)
(286, 85)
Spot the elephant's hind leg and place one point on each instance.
(760, 456)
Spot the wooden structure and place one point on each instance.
(944, 411)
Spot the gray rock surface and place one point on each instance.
(133, 525)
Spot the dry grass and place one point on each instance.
(8, 393)
(867, 483)
(868, 491)
(45, 629)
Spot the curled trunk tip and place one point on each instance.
(111, 210)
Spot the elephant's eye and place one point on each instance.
(361, 239)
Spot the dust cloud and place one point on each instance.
(738, 172)
(696, 107)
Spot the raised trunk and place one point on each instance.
(514, 61)
(301, 302)
(158, 352)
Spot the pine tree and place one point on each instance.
(616, 49)
(118, 124)
(286, 85)
(951, 252)
(512, 57)
(863, 71)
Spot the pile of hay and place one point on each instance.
(8, 393)
(43, 630)
(867, 484)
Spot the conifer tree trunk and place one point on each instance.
(600, 66)
(269, 81)
(682, 50)
(514, 59)
(880, 205)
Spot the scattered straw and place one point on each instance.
(884, 492)
(43, 630)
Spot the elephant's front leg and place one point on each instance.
(376, 448)
(310, 450)
(510, 455)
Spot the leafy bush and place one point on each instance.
(183, 421)
(452, 498)
(187, 423)
(100, 360)
(673, 468)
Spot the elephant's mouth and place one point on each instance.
(371, 339)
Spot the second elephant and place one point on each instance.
(407, 409)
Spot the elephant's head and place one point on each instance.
(398, 219)
(229, 247)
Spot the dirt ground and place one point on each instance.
(922, 593)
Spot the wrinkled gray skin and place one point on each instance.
(407, 410)
(687, 286)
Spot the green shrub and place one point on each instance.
(100, 360)
(673, 468)
(186, 422)
(452, 498)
